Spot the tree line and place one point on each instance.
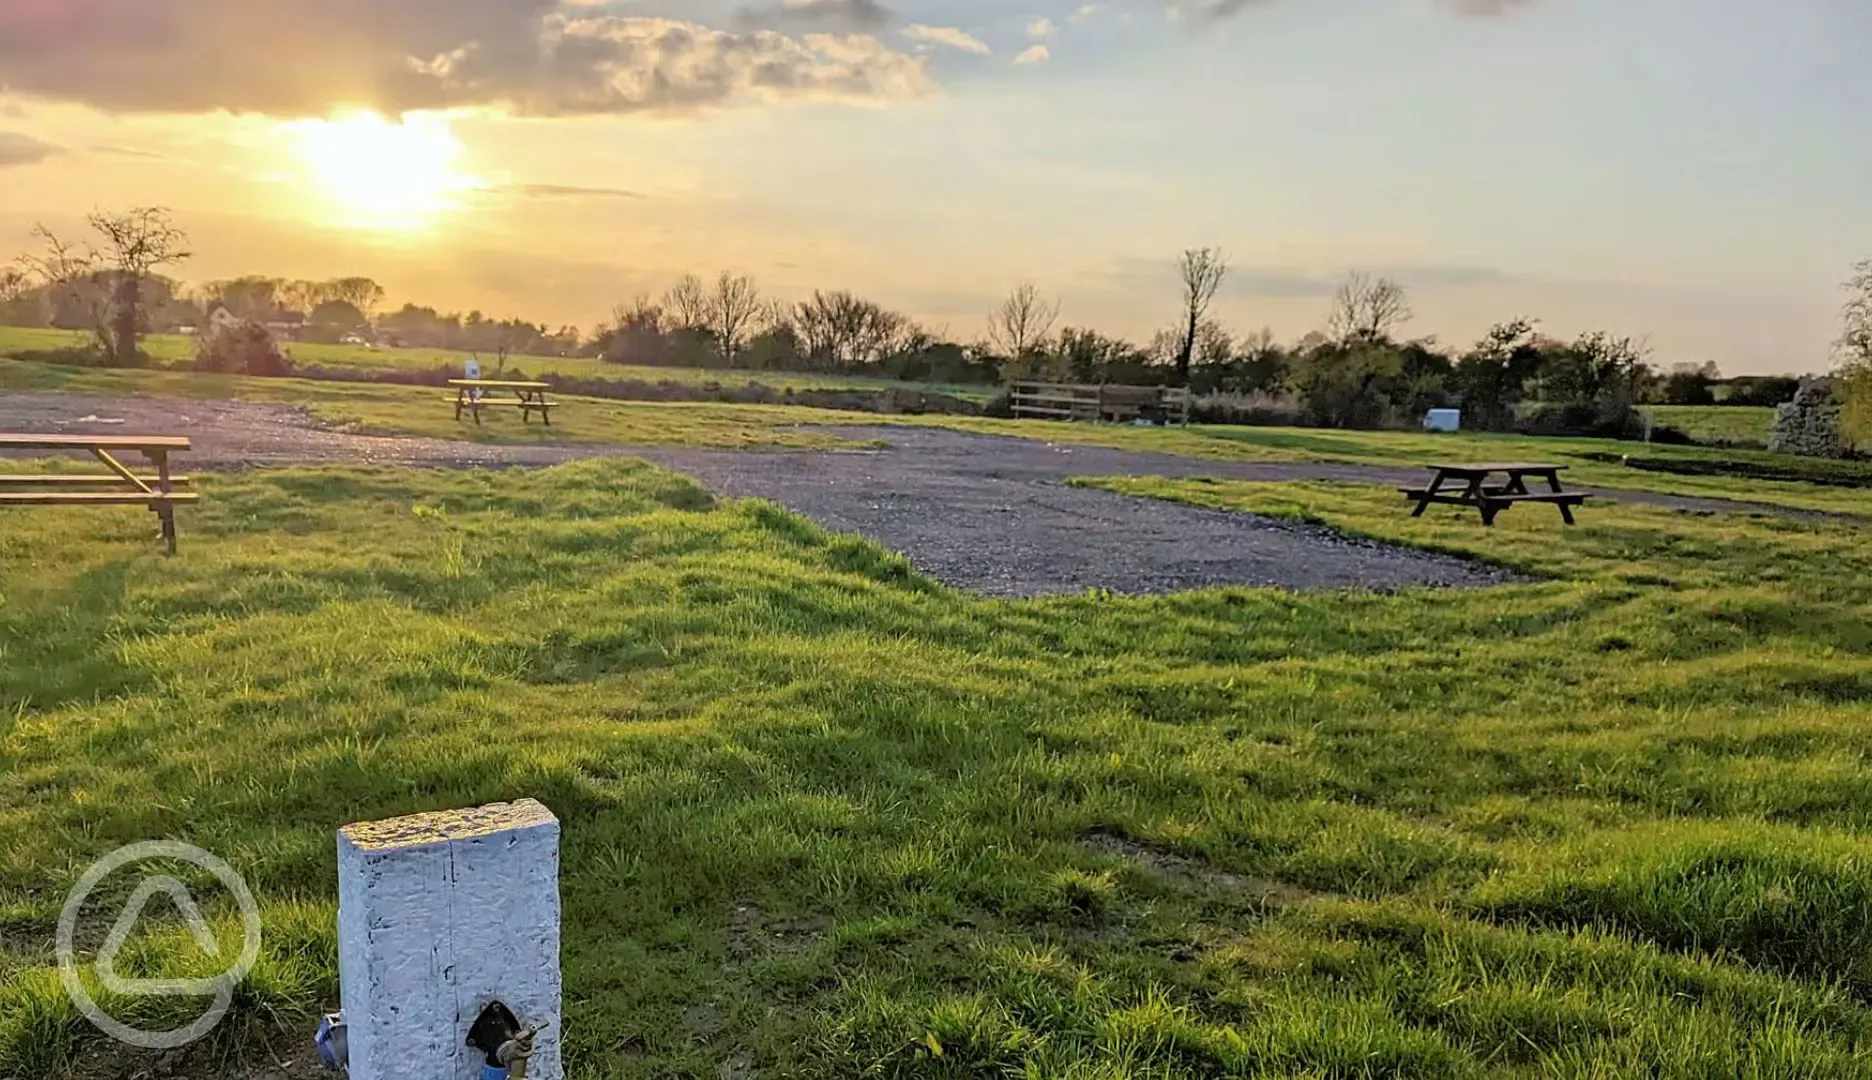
(1358, 369)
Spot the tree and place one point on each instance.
(734, 310)
(1595, 369)
(1691, 384)
(20, 301)
(1023, 322)
(1491, 378)
(687, 304)
(1853, 351)
(136, 242)
(839, 331)
(69, 273)
(1367, 309)
(1351, 385)
(360, 292)
(250, 297)
(333, 319)
(1202, 270)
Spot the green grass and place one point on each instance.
(376, 409)
(1847, 486)
(824, 817)
(403, 410)
(175, 350)
(1719, 425)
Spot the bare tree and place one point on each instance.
(136, 242)
(843, 331)
(1367, 309)
(1023, 322)
(1203, 270)
(687, 304)
(13, 284)
(69, 272)
(360, 292)
(735, 309)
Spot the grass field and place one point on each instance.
(179, 351)
(824, 817)
(405, 410)
(1719, 425)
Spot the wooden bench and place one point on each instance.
(529, 397)
(1105, 401)
(1467, 485)
(120, 487)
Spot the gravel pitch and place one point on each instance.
(980, 512)
(993, 515)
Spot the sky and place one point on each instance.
(1693, 173)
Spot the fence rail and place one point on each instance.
(1107, 401)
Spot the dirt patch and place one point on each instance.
(1191, 874)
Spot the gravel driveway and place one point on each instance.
(981, 512)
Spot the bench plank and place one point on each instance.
(94, 498)
(93, 442)
(88, 480)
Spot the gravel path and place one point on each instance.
(233, 433)
(983, 512)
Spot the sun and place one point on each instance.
(383, 174)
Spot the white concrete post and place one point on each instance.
(439, 914)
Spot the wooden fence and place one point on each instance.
(1121, 404)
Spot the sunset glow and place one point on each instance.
(381, 174)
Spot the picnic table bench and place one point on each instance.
(1468, 485)
(529, 396)
(119, 487)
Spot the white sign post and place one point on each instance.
(439, 916)
(471, 369)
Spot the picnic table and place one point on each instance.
(1468, 485)
(119, 487)
(471, 395)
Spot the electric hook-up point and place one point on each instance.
(505, 1040)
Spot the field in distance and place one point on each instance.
(176, 350)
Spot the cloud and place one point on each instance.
(292, 57)
(1222, 9)
(868, 15)
(562, 191)
(948, 36)
(1486, 8)
(1038, 54)
(1085, 12)
(119, 150)
(1041, 28)
(18, 149)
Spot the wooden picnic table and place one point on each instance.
(1465, 484)
(121, 487)
(529, 396)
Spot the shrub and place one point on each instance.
(247, 349)
(1601, 420)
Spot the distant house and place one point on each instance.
(221, 319)
(283, 325)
